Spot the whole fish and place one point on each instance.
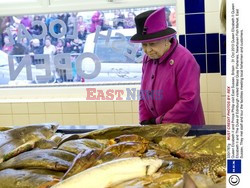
(21, 139)
(149, 132)
(112, 173)
(83, 161)
(211, 144)
(35, 178)
(52, 159)
(80, 145)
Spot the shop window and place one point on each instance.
(79, 47)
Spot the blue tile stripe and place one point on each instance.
(209, 49)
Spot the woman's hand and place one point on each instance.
(148, 122)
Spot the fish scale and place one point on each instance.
(213, 166)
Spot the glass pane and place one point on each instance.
(72, 47)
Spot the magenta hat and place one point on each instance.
(151, 26)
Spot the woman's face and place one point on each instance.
(156, 49)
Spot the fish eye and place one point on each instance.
(175, 130)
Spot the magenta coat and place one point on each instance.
(170, 88)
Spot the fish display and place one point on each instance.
(80, 145)
(112, 173)
(150, 132)
(149, 156)
(213, 144)
(35, 178)
(50, 159)
(21, 139)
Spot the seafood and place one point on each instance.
(175, 165)
(130, 138)
(33, 178)
(213, 144)
(77, 146)
(149, 132)
(57, 160)
(21, 139)
(198, 181)
(112, 173)
(123, 147)
(213, 166)
(5, 128)
(156, 180)
(82, 161)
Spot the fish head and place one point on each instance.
(177, 129)
(48, 130)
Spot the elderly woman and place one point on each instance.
(170, 86)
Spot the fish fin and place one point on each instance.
(188, 182)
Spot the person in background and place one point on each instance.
(81, 23)
(60, 46)
(170, 85)
(118, 19)
(96, 21)
(71, 22)
(7, 47)
(130, 20)
(36, 48)
(172, 18)
(26, 21)
(49, 48)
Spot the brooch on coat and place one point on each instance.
(171, 62)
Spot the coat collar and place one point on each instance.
(171, 50)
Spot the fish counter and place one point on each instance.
(165, 155)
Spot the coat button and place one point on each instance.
(153, 77)
(152, 109)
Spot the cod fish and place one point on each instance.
(21, 139)
(149, 132)
(35, 178)
(57, 160)
(112, 173)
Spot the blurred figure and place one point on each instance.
(118, 19)
(105, 23)
(129, 21)
(80, 23)
(59, 46)
(26, 21)
(36, 48)
(96, 21)
(172, 18)
(7, 47)
(49, 48)
(71, 22)
(82, 33)
(36, 29)
(75, 46)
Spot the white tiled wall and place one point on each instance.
(107, 112)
